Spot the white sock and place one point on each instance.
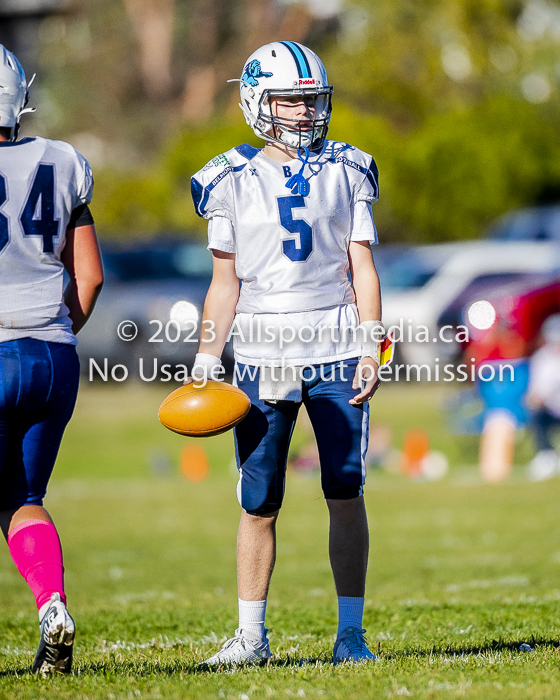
(251, 616)
(350, 612)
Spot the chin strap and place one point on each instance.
(24, 110)
(297, 183)
(16, 128)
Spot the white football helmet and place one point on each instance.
(14, 92)
(281, 69)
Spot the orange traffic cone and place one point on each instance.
(415, 448)
(194, 462)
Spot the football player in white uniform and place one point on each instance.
(45, 229)
(293, 223)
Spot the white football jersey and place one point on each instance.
(41, 183)
(291, 250)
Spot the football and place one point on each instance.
(203, 411)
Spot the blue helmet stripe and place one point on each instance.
(304, 71)
(303, 58)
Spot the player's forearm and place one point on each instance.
(365, 281)
(82, 261)
(80, 298)
(368, 295)
(219, 309)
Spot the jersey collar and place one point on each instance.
(27, 139)
(275, 166)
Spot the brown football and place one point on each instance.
(203, 411)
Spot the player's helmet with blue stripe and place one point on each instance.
(282, 69)
(14, 91)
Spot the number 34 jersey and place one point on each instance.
(291, 250)
(41, 183)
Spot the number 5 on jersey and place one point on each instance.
(298, 249)
(40, 200)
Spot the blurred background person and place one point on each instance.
(504, 331)
(502, 397)
(543, 398)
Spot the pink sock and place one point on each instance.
(36, 551)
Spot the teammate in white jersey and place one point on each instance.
(293, 223)
(45, 229)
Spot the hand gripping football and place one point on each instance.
(204, 411)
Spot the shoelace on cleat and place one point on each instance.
(355, 642)
(237, 641)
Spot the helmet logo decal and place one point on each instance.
(252, 72)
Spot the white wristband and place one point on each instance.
(206, 366)
(371, 334)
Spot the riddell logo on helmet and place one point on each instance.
(306, 81)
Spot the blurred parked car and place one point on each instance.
(409, 267)
(484, 288)
(144, 283)
(530, 224)
(419, 284)
(518, 311)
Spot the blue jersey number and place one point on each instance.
(37, 217)
(300, 249)
(4, 230)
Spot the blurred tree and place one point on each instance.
(158, 199)
(467, 93)
(153, 21)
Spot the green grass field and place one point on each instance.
(461, 574)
